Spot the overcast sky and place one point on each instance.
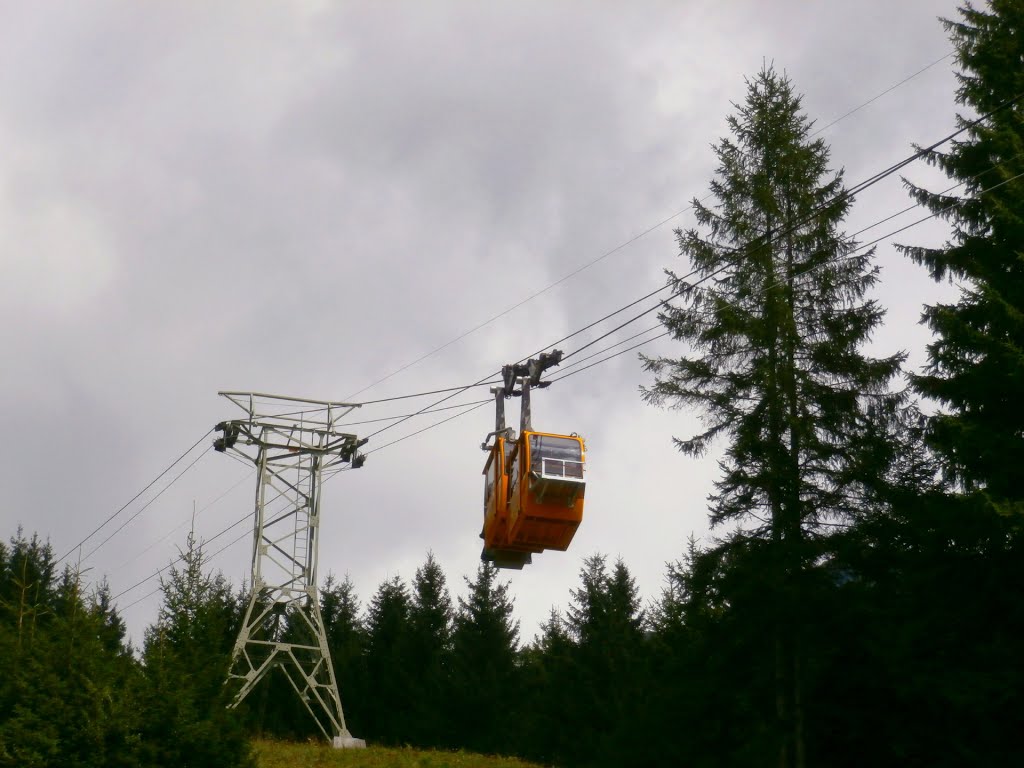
(303, 197)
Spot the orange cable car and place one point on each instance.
(534, 485)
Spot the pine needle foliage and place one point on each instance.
(776, 317)
(975, 368)
(485, 677)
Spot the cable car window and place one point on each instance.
(513, 475)
(561, 456)
(510, 446)
(489, 482)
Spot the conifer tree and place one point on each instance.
(430, 648)
(776, 319)
(550, 697)
(484, 674)
(607, 622)
(66, 675)
(186, 654)
(388, 663)
(346, 638)
(975, 367)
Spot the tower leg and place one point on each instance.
(293, 639)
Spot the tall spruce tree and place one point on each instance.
(186, 655)
(975, 366)
(776, 321)
(388, 663)
(67, 692)
(607, 623)
(547, 727)
(484, 674)
(346, 638)
(430, 648)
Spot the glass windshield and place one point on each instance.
(510, 445)
(489, 481)
(557, 450)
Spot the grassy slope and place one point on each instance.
(280, 754)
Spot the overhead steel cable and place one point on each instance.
(616, 354)
(431, 426)
(817, 211)
(179, 558)
(430, 392)
(858, 248)
(179, 526)
(176, 561)
(850, 255)
(145, 506)
(409, 415)
(433, 406)
(848, 194)
(631, 320)
(470, 407)
(528, 299)
(133, 498)
(756, 243)
(628, 242)
(883, 93)
(591, 356)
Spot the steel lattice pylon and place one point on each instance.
(294, 443)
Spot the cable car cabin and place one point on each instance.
(545, 493)
(497, 549)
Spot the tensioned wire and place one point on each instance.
(848, 194)
(454, 391)
(628, 242)
(851, 255)
(859, 247)
(476, 406)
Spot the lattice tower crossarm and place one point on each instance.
(292, 442)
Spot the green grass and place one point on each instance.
(282, 754)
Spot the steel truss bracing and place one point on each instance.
(294, 443)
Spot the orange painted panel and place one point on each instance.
(497, 546)
(546, 491)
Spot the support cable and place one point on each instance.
(454, 391)
(883, 93)
(619, 247)
(247, 516)
(481, 404)
(813, 214)
(143, 508)
(642, 343)
(850, 255)
(174, 562)
(846, 196)
(180, 525)
(133, 498)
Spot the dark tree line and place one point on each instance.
(73, 692)
(871, 543)
(862, 603)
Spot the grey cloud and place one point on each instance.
(301, 198)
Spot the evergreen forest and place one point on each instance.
(861, 603)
